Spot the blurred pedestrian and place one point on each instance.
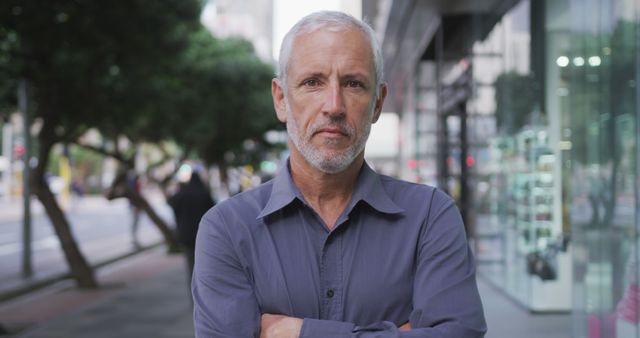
(77, 187)
(191, 201)
(133, 184)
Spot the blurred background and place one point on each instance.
(525, 111)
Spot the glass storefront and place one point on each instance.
(562, 226)
(525, 218)
(598, 68)
(527, 113)
(563, 216)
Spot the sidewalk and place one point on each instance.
(143, 296)
(101, 228)
(11, 209)
(506, 319)
(147, 296)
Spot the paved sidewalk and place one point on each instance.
(144, 296)
(11, 209)
(147, 296)
(506, 319)
(101, 228)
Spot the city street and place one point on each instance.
(102, 228)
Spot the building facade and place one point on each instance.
(252, 20)
(526, 112)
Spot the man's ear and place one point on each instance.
(277, 92)
(379, 102)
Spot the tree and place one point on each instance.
(73, 53)
(200, 101)
(227, 98)
(8, 72)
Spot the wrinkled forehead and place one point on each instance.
(314, 37)
(322, 50)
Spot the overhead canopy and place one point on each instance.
(411, 27)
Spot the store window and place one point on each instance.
(526, 191)
(563, 213)
(600, 74)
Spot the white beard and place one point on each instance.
(327, 161)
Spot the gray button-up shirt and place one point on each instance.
(398, 253)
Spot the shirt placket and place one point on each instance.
(331, 276)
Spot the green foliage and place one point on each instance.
(228, 97)
(139, 68)
(144, 69)
(8, 75)
(83, 58)
(603, 98)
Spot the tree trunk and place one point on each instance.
(81, 271)
(224, 177)
(120, 188)
(169, 235)
(164, 182)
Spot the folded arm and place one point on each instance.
(223, 298)
(280, 326)
(445, 300)
(446, 303)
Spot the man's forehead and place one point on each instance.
(320, 46)
(332, 28)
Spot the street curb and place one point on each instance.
(50, 280)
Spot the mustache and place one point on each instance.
(332, 122)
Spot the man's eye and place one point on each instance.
(310, 83)
(354, 84)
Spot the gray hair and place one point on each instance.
(335, 21)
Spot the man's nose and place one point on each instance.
(334, 101)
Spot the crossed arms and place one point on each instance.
(445, 300)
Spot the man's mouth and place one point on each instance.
(332, 131)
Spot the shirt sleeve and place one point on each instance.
(223, 298)
(446, 302)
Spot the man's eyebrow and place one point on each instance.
(311, 74)
(357, 76)
(362, 77)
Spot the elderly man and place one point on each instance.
(329, 248)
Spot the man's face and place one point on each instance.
(330, 100)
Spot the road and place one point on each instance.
(102, 229)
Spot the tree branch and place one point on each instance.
(101, 150)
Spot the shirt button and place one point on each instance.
(329, 293)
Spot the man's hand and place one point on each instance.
(405, 327)
(279, 326)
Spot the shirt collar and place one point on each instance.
(368, 189)
(283, 192)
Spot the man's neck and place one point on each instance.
(327, 194)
